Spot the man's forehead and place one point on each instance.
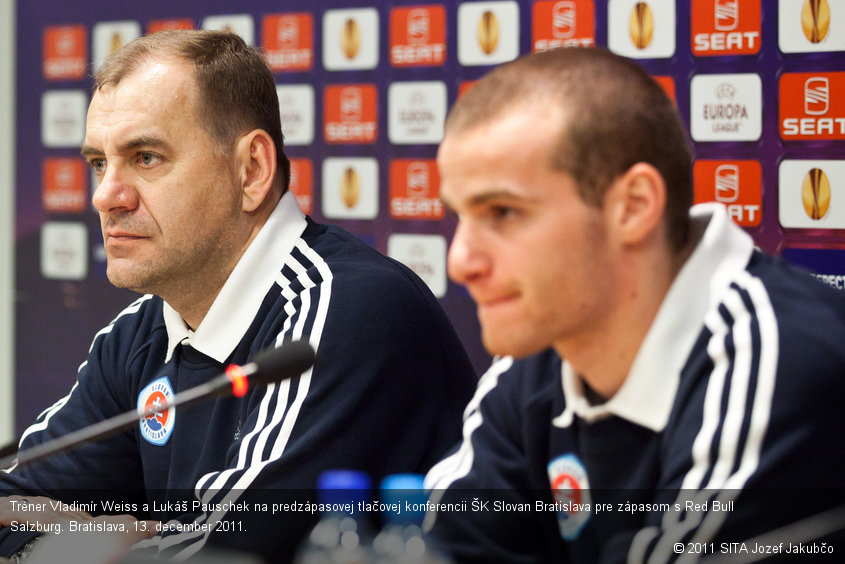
(154, 82)
(533, 106)
(522, 129)
(145, 103)
(169, 76)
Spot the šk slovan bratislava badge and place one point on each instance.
(157, 424)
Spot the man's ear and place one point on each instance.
(636, 201)
(256, 160)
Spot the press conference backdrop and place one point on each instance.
(364, 87)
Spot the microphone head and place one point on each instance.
(288, 360)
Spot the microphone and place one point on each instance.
(271, 365)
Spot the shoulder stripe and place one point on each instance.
(456, 466)
(764, 328)
(737, 405)
(316, 332)
(44, 417)
(307, 308)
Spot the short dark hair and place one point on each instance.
(615, 115)
(236, 90)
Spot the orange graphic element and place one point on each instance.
(65, 55)
(563, 23)
(418, 36)
(738, 185)
(63, 185)
(288, 41)
(415, 189)
(350, 113)
(725, 27)
(812, 106)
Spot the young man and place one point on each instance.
(662, 387)
(184, 136)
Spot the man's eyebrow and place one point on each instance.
(138, 142)
(485, 197)
(89, 151)
(146, 141)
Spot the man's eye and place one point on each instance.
(98, 166)
(501, 212)
(148, 159)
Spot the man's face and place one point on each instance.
(168, 200)
(531, 253)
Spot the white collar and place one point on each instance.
(235, 306)
(648, 393)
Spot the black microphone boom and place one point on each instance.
(271, 365)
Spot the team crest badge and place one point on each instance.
(156, 428)
(571, 493)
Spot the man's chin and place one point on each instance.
(121, 280)
(517, 346)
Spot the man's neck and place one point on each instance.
(603, 357)
(193, 306)
(194, 302)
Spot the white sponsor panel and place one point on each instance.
(726, 107)
(803, 193)
(641, 30)
(425, 255)
(64, 250)
(416, 112)
(296, 108)
(488, 33)
(351, 39)
(802, 29)
(350, 188)
(63, 118)
(108, 37)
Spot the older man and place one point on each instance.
(183, 134)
